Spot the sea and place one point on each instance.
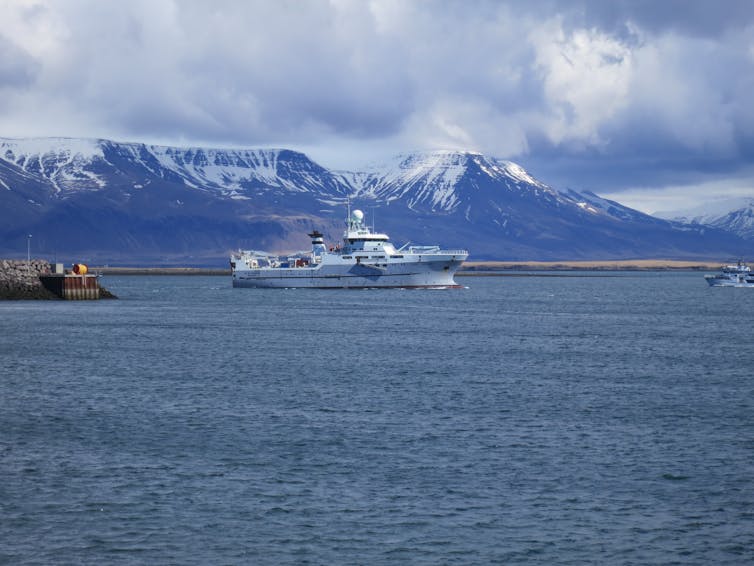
(574, 418)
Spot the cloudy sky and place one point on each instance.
(650, 102)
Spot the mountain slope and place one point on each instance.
(80, 165)
(740, 221)
(100, 200)
(498, 209)
(735, 216)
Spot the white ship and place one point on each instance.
(365, 259)
(738, 275)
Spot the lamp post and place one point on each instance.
(28, 249)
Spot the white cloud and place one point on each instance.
(465, 123)
(676, 92)
(586, 77)
(593, 91)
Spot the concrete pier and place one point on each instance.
(72, 287)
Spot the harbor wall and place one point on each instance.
(72, 287)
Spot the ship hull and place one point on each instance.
(437, 274)
(725, 282)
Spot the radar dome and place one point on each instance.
(357, 215)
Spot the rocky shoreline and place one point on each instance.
(21, 280)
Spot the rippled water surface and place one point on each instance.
(543, 420)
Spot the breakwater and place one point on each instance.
(35, 279)
(20, 279)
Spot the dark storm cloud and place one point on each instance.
(589, 94)
(708, 19)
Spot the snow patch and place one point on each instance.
(62, 161)
(69, 147)
(518, 173)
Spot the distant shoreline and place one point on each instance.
(160, 270)
(599, 265)
(470, 268)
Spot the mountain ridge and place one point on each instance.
(110, 200)
(733, 215)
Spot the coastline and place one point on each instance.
(469, 268)
(161, 270)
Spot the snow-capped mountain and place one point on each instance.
(734, 215)
(446, 182)
(130, 202)
(100, 197)
(434, 181)
(497, 205)
(80, 165)
(740, 221)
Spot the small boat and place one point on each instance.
(365, 259)
(738, 275)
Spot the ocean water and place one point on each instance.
(522, 420)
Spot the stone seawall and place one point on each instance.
(19, 279)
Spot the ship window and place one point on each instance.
(347, 257)
(396, 256)
(378, 257)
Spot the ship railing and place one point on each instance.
(432, 250)
(423, 249)
(253, 253)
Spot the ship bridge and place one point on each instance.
(359, 237)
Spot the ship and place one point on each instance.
(738, 275)
(365, 259)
